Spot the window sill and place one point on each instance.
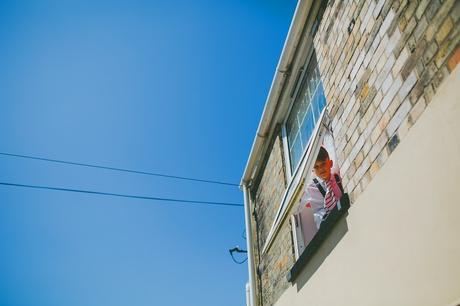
(324, 231)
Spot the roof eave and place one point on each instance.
(278, 82)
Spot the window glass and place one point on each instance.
(305, 113)
(295, 151)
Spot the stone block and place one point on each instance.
(402, 43)
(429, 52)
(387, 83)
(407, 86)
(375, 41)
(428, 93)
(418, 109)
(362, 170)
(416, 92)
(385, 71)
(421, 8)
(390, 94)
(387, 22)
(393, 143)
(402, 58)
(374, 169)
(438, 19)
(421, 28)
(367, 17)
(381, 63)
(417, 53)
(363, 76)
(359, 159)
(356, 193)
(368, 57)
(392, 42)
(375, 134)
(372, 123)
(378, 8)
(453, 60)
(404, 128)
(368, 114)
(443, 53)
(455, 13)
(384, 121)
(365, 180)
(399, 116)
(378, 146)
(410, 9)
(444, 30)
(367, 101)
(382, 157)
(440, 75)
(367, 147)
(372, 77)
(432, 9)
(362, 127)
(402, 23)
(357, 147)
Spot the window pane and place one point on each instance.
(295, 152)
(319, 101)
(307, 127)
(292, 127)
(304, 113)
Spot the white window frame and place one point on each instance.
(299, 243)
(296, 183)
(298, 87)
(296, 178)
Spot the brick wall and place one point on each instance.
(267, 194)
(381, 63)
(275, 264)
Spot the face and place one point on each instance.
(322, 169)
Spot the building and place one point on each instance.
(377, 83)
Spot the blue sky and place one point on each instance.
(174, 87)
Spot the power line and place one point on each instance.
(121, 195)
(118, 169)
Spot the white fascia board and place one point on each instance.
(284, 63)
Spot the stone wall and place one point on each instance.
(267, 194)
(381, 63)
(275, 264)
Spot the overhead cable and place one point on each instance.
(119, 169)
(122, 195)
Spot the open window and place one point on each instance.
(308, 104)
(317, 211)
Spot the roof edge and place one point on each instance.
(281, 72)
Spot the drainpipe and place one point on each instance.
(249, 242)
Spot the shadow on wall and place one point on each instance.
(328, 245)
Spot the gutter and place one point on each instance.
(249, 244)
(259, 144)
(276, 88)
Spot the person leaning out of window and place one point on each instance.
(324, 192)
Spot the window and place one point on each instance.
(309, 102)
(322, 203)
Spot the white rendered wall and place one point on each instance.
(400, 244)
